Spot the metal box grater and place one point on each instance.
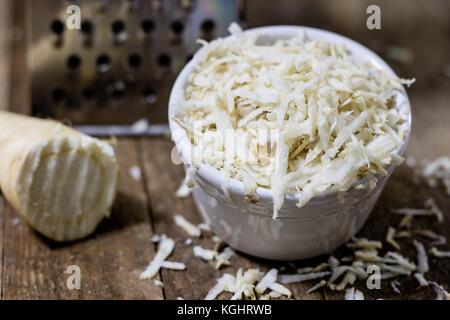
(120, 66)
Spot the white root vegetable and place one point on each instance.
(62, 181)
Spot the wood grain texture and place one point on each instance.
(6, 37)
(2, 227)
(110, 260)
(163, 179)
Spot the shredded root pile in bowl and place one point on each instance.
(306, 116)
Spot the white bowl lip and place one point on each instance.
(213, 175)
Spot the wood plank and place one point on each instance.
(163, 178)
(110, 260)
(401, 191)
(2, 215)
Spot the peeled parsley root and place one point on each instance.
(62, 181)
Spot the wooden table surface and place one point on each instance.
(32, 267)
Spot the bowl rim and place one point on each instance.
(235, 186)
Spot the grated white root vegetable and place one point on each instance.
(204, 226)
(422, 258)
(158, 283)
(406, 221)
(394, 286)
(282, 290)
(390, 238)
(269, 278)
(205, 254)
(165, 248)
(439, 239)
(135, 173)
(156, 238)
(140, 126)
(188, 183)
(439, 254)
(63, 182)
(421, 279)
(441, 293)
(354, 294)
(438, 171)
(190, 228)
(318, 285)
(243, 285)
(221, 258)
(431, 209)
(274, 294)
(431, 204)
(173, 265)
(325, 118)
(318, 268)
(301, 277)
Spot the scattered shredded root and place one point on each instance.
(165, 249)
(354, 294)
(251, 285)
(135, 173)
(318, 285)
(439, 254)
(441, 294)
(222, 258)
(394, 286)
(438, 171)
(431, 209)
(421, 279)
(390, 238)
(422, 258)
(190, 228)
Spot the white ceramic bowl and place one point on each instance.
(320, 226)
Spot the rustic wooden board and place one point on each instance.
(110, 260)
(402, 191)
(2, 215)
(163, 179)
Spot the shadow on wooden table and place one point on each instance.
(125, 213)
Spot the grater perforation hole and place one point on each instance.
(148, 95)
(58, 95)
(148, 26)
(208, 25)
(73, 62)
(88, 93)
(103, 63)
(177, 27)
(134, 61)
(87, 28)
(57, 27)
(116, 90)
(164, 60)
(118, 27)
